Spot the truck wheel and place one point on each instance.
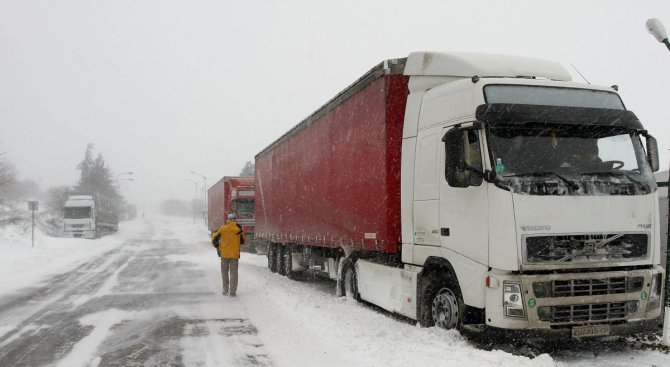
(272, 254)
(348, 282)
(288, 263)
(351, 283)
(279, 259)
(447, 308)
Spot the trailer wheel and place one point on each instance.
(447, 308)
(349, 281)
(272, 254)
(288, 263)
(279, 259)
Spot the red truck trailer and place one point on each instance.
(233, 195)
(333, 181)
(464, 191)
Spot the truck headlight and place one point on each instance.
(513, 300)
(655, 291)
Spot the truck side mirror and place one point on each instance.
(456, 173)
(652, 153)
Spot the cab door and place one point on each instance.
(463, 193)
(426, 209)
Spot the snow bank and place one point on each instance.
(22, 265)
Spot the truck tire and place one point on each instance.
(349, 281)
(279, 259)
(442, 303)
(287, 263)
(447, 309)
(272, 254)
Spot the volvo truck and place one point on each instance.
(472, 191)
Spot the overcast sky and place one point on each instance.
(165, 87)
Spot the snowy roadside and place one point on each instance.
(304, 322)
(22, 265)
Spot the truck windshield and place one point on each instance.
(79, 212)
(570, 160)
(243, 207)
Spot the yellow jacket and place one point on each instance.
(229, 244)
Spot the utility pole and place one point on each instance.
(32, 206)
(205, 195)
(195, 200)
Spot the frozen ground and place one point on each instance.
(150, 295)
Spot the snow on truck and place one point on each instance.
(482, 192)
(232, 195)
(89, 216)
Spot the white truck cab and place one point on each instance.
(528, 202)
(79, 217)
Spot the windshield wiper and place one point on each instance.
(618, 173)
(571, 184)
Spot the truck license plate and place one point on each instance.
(594, 330)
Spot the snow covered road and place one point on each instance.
(151, 295)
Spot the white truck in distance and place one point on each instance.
(89, 216)
(526, 202)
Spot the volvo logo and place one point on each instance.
(536, 228)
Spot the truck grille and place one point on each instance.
(586, 248)
(587, 313)
(587, 287)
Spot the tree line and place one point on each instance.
(95, 177)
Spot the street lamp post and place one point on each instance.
(118, 181)
(195, 200)
(205, 190)
(656, 28)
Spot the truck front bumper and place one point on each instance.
(569, 304)
(627, 328)
(79, 233)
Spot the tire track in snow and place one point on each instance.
(43, 329)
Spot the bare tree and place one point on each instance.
(27, 189)
(7, 178)
(56, 197)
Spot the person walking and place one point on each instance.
(230, 237)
